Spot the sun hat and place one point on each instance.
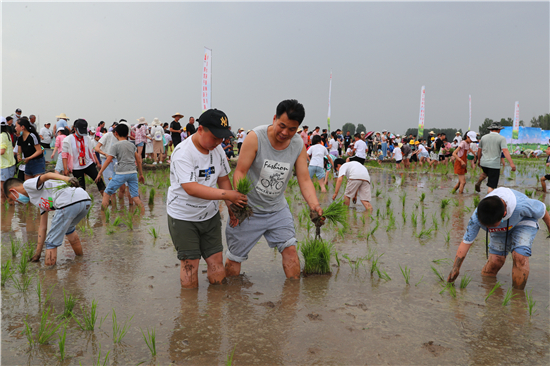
(362, 132)
(156, 121)
(60, 128)
(411, 142)
(62, 116)
(142, 120)
(472, 136)
(47, 123)
(3, 121)
(299, 130)
(495, 126)
(417, 143)
(431, 132)
(177, 115)
(400, 145)
(217, 123)
(240, 129)
(457, 133)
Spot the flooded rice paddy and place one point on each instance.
(348, 318)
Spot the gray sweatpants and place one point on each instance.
(276, 227)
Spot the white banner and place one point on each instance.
(470, 118)
(515, 130)
(421, 116)
(207, 79)
(329, 92)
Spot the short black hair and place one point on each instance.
(9, 118)
(315, 140)
(490, 210)
(122, 130)
(338, 161)
(11, 182)
(358, 135)
(396, 143)
(294, 111)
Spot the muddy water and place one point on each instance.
(349, 317)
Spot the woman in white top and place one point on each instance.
(315, 156)
(333, 144)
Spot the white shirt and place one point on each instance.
(167, 137)
(47, 198)
(190, 165)
(422, 149)
(317, 154)
(459, 139)
(360, 149)
(354, 170)
(333, 145)
(106, 142)
(241, 137)
(157, 132)
(397, 154)
(46, 135)
(69, 146)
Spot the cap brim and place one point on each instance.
(221, 133)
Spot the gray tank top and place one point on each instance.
(270, 172)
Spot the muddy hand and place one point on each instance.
(141, 179)
(453, 275)
(97, 178)
(237, 198)
(74, 182)
(334, 196)
(36, 257)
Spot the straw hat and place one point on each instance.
(177, 115)
(62, 116)
(142, 120)
(299, 130)
(156, 122)
(431, 132)
(240, 129)
(400, 145)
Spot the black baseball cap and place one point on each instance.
(81, 126)
(216, 121)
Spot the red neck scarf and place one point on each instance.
(82, 149)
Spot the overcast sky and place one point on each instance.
(106, 61)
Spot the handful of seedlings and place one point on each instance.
(244, 186)
(336, 213)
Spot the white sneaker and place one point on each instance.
(155, 163)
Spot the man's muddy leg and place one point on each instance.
(232, 268)
(216, 271)
(74, 240)
(291, 263)
(520, 271)
(51, 257)
(189, 273)
(493, 265)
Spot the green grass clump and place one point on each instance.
(436, 272)
(229, 360)
(15, 246)
(61, 343)
(152, 193)
(23, 285)
(70, 302)
(464, 281)
(6, 272)
(422, 197)
(530, 302)
(89, 317)
(337, 213)
(119, 331)
(47, 329)
(445, 202)
(150, 341)
(316, 253)
(529, 193)
(497, 285)
(154, 232)
(476, 201)
(508, 297)
(406, 273)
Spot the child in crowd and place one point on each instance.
(397, 155)
(61, 134)
(358, 185)
(379, 156)
(315, 155)
(198, 165)
(125, 172)
(71, 204)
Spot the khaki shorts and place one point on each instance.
(358, 187)
(194, 240)
(157, 147)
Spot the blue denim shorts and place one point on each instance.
(59, 164)
(64, 223)
(520, 240)
(140, 144)
(120, 179)
(317, 171)
(36, 166)
(7, 173)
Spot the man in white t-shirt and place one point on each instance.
(359, 149)
(397, 155)
(46, 136)
(71, 205)
(316, 158)
(240, 139)
(358, 185)
(198, 165)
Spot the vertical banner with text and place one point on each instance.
(421, 117)
(470, 108)
(329, 92)
(207, 79)
(515, 130)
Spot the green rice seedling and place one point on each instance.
(337, 213)
(317, 186)
(119, 331)
(47, 329)
(467, 209)
(404, 216)
(476, 201)
(49, 293)
(70, 302)
(6, 205)
(406, 272)
(413, 219)
(90, 210)
(117, 221)
(15, 246)
(388, 202)
(422, 197)
(391, 224)
(529, 193)
(374, 266)
(354, 215)
(497, 285)
(244, 185)
(22, 286)
(89, 318)
(451, 288)
(416, 205)
(150, 341)
(464, 281)
(444, 203)
(61, 343)
(375, 228)
(152, 193)
(154, 232)
(447, 237)
(337, 259)
(378, 192)
(424, 233)
(508, 296)
(28, 332)
(442, 260)
(438, 274)
(403, 198)
(418, 283)
(288, 201)
(292, 183)
(384, 275)
(316, 253)
(363, 220)
(128, 222)
(108, 215)
(309, 226)
(455, 202)
(530, 302)
(349, 260)
(23, 264)
(89, 181)
(378, 212)
(423, 218)
(229, 360)
(434, 222)
(6, 272)
(98, 362)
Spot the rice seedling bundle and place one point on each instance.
(316, 253)
(150, 341)
(244, 186)
(335, 213)
(436, 272)
(152, 193)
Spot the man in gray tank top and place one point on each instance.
(267, 156)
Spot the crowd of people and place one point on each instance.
(268, 155)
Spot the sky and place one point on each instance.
(105, 61)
